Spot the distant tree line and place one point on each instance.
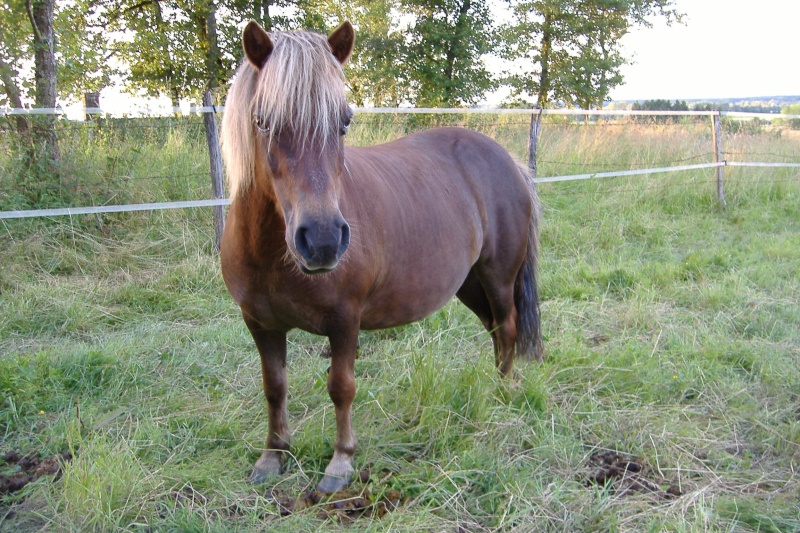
(746, 106)
(660, 105)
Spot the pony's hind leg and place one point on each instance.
(493, 302)
(504, 327)
(473, 296)
(342, 390)
(272, 349)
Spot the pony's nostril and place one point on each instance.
(345, 237)
(301, 241)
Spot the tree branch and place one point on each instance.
(37, 36)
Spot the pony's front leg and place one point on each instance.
(272, 349)
(342, 389)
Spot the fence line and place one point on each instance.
(757, 164)
(69, 211)
(637, 172)
(412, 110)
(221, 202)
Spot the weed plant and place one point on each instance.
(670, 327)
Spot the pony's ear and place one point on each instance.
(342, 40)
(257, 44)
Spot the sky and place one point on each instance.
(724, 49)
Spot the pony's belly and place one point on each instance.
(386, 309)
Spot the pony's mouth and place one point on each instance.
(315, 271)
(311, 267)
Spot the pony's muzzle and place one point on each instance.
(320, 245)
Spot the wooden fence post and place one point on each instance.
(533, 140)
(215, 160)
(716, 134)
(91, 100)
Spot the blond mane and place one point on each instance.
(300, 87)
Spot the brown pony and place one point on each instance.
(333, 239)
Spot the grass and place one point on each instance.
(670, 328)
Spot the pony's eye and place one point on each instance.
(261, 124)
(346, 122)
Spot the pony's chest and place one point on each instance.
(282, 302)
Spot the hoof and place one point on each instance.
(257, 477)
(331, 484)
(268, 466)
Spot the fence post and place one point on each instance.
(91, 100)
(533, 140)
(215, 160)
(716, 134)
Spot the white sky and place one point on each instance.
(725, 49)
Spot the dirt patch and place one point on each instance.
(343, 507)
(365, 498)
(19, 470)
(626, 476)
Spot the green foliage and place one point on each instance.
(83, 51)
(178, 49)
(791, 109)
(571, 50)
(418, 52)
(444, 53)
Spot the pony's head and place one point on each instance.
(283, 128)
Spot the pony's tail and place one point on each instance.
(526, 292)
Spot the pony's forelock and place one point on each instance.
(300, 88)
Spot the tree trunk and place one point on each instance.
(13, 93)
(212, 47)
(169, 72)
(542, 95)
(452, 48)
(262, 14)
(546, 51)
(45, 153)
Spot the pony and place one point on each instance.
(334, 239)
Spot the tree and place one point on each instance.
(177, 48)
(375, 72)
(444, 51)
(83, 55)
(14, 36)
(570, 49)
(792, 109)
(44, 153)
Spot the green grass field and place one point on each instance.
(669, 399)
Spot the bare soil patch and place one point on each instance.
(625, 476)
